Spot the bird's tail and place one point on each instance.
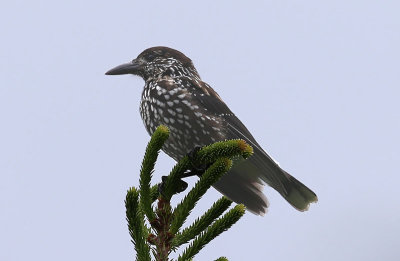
(296, 193)
(244, 190)
(244, 184)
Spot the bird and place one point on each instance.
(175, 96)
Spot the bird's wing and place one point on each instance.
(265, 167)
(246, 178)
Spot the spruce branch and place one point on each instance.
(228, 148)
(205, 156)
(161, 225)
(212, 175)
(165, 234)
(222, 258)
(154, 193)
(203, 222)
(136, 226)
(153, 148)
(174, 177)
(213, 231)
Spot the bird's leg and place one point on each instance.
(197, 169)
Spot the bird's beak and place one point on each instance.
(127, 68)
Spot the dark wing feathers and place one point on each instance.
(243, 183)
(269, 171)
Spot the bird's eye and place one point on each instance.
(150, 57)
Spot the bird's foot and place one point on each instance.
(180, 187)
(196, 169)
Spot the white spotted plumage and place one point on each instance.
(174, 95)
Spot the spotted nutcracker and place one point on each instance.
(174, 95)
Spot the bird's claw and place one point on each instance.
(180, 187)
(196, 169)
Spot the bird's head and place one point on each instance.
(157, 62)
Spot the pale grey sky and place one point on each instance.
(316, 82)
